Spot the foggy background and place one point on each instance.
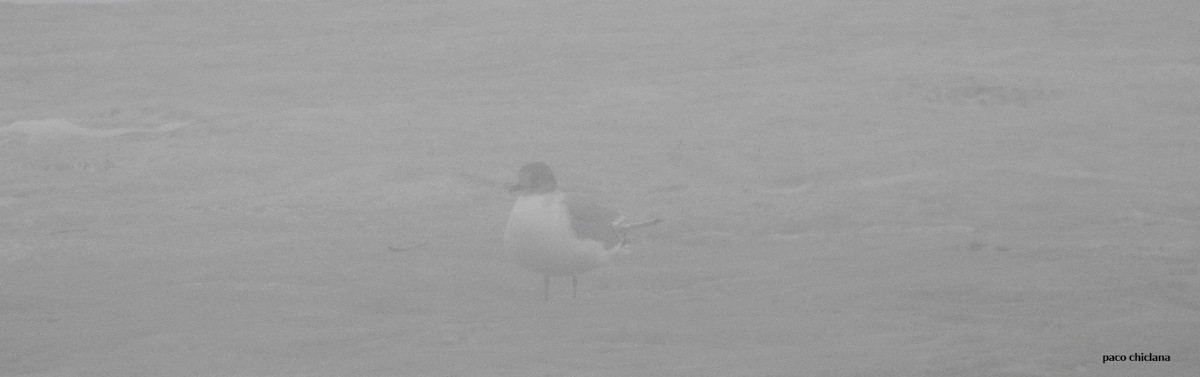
(916, 188)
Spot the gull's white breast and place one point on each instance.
(539, 237)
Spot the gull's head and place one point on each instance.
(534, 178)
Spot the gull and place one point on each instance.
(561, 234)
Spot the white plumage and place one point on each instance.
(560, 234)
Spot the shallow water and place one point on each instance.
(850, 188)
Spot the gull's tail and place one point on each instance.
(626, 227)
